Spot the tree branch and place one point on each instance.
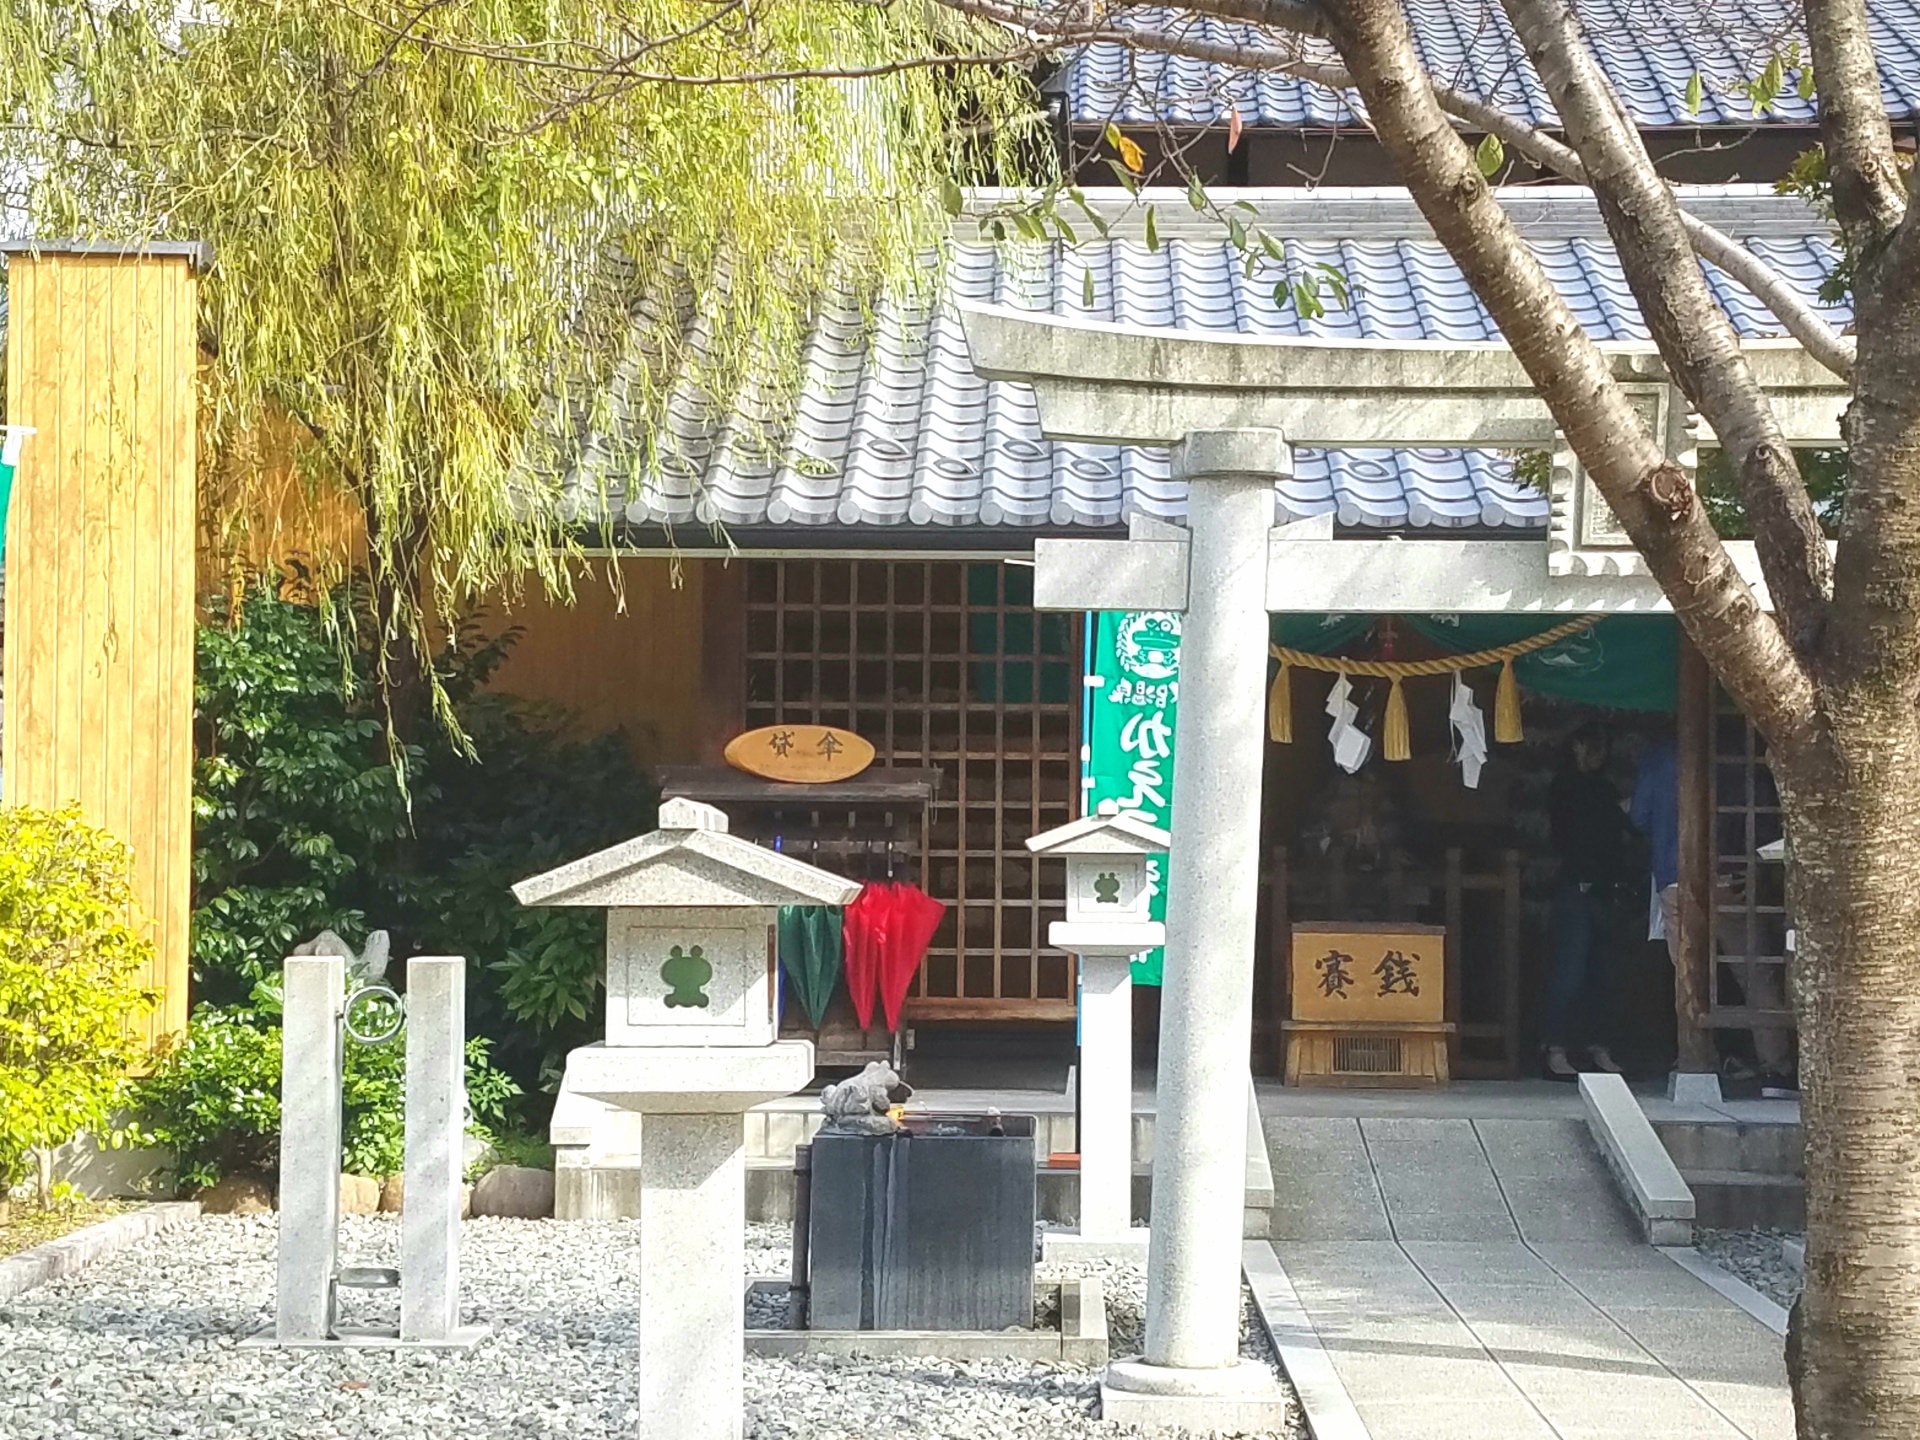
(1659, 510)
(1695, 336)
(1868, 196)
(1799, 319)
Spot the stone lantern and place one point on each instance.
(692, 1044)
(1109, 898)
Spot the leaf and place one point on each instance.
(951, 198)
(1489, 155)
(1126, 180)
(1237, 234)
(1131, 155)
(1234, 126)
(1196, 193)
(1805, 84)
(1276, 249)
(1696, 93)
(1067, 231)
(1086, 289)
(1153, 232)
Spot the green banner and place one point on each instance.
(1133, 696)
(12, 437)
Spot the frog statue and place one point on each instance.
(859, 1106)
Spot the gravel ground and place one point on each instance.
(1754, 1255)
(144, 1345)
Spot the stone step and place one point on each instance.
(1742, 1200)
(1755, 1149)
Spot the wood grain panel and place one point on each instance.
(100, 568)
(619, 658)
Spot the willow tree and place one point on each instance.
(430, 223)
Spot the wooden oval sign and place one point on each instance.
(800, 754)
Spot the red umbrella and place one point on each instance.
(912, 917)
(864, 930)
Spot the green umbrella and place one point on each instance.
(810, 953)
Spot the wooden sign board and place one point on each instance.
(800, 754)
(1369, 974)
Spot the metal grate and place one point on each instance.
(1368, 1055)
(944, 664)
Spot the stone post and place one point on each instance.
(692, 1255)
(311, 1065)
(1106, 1105)
(436, 1130)
(1206, 1026)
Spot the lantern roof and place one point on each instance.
(689, 862)
(1112, 831)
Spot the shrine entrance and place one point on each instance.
(1447, 828)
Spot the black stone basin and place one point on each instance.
(928, 1229)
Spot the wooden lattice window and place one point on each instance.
(1749, 908)
(944, 663)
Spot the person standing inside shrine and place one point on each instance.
(1592, 842)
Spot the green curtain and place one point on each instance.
(1625, 662)
(1319, 634)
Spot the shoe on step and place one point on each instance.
(1554, 1065)
(1603, 1061)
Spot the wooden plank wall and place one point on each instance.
(630, 658)
(100, 568)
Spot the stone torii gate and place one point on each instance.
(1233, 407)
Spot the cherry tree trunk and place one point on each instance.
(1853, 821)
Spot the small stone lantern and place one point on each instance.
(692, 1045)
(1109, 895)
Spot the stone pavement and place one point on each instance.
(1479, 1279)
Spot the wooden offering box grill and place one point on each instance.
(1367, 1005)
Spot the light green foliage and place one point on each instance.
(72, 952)
(214, 1100)
(432, 223)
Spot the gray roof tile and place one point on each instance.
(1648, 48)
(891, 427)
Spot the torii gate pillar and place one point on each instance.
(1192, 1366)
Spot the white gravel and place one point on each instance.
(144, 1345)
(1755, 1256)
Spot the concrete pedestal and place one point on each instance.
(1688, 1087)
(692, 1101)
(693, 1196)
(436, 1121)
(1206, 1027)
(312, 1063)
(1239, 1398)
(1106, 1229)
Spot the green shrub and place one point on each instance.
(72, 950)
(302, 824)
(215, 1098)
(296, 801)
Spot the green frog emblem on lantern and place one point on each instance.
(687, 973)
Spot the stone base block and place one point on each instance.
(1686, 1087)
(607, 1190)
(355, 1338)
(1079, 1336)
(1058, 1245)
(1162, 1398)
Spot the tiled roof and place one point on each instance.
(1650, 49)
(891, 427)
